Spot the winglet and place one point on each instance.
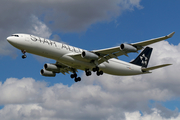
(170, 35)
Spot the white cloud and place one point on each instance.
(25, 112)
(130, 4)
(155, 115)
(14, 91)
(7, 49)
(39, 28)
(106, 97)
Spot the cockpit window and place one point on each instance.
(15, 35)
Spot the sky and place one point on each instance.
(90, 25)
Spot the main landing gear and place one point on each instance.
(76, 79)
(98, 73)
(96, 69)
(24, 54)
(88, 72)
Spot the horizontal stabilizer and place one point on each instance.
(155, 67)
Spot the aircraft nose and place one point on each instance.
(10, 39)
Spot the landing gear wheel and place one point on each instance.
(24, 56)
(101, 72)
(73, 75)
(88, 73)
(77, 79)
(98, 73)
(95, 69)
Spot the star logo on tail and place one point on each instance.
(144, 59)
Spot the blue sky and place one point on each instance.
(109, 25)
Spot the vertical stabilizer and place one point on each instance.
(143, 58)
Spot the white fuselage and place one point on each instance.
(62, 53)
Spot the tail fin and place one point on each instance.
(143, 58)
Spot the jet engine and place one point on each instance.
(89, 55)
(128, 48)
(46, 73)
(51, 67)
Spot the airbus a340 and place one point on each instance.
(70, 59)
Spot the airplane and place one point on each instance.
(70, 59)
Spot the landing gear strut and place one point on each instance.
(24, 54)
(76, 79)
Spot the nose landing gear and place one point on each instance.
(24, 54)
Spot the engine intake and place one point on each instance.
(89, 55)
(46, 73)
(128, 48)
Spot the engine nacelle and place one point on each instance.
(46, 73)
(51, 67)
(128, 48)
(89, 55)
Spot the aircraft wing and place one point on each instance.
(114, 52)
(139, 45)
(148, 42)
